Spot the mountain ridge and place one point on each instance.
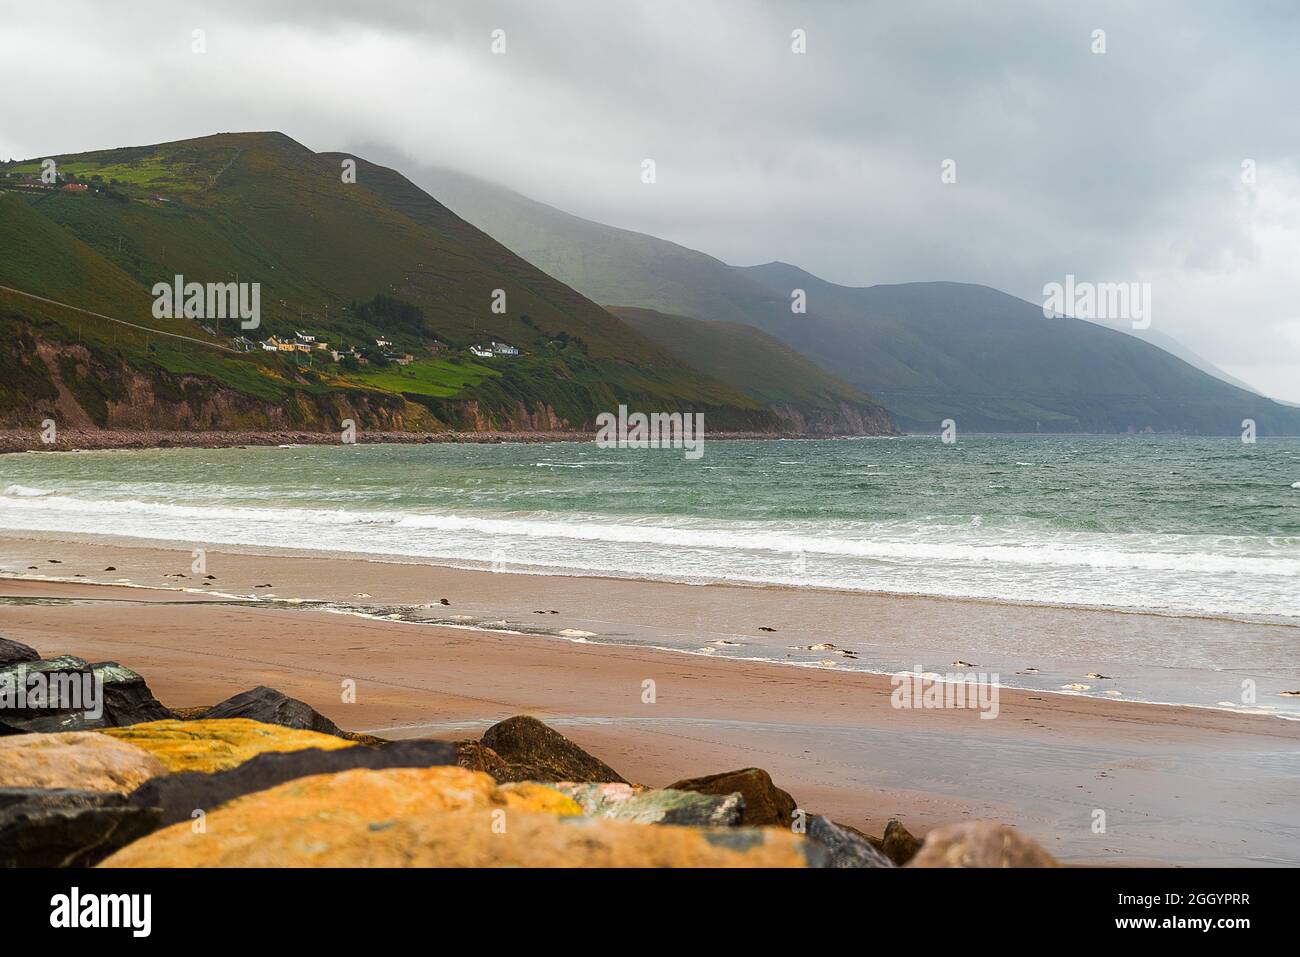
(928, 351)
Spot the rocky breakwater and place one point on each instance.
(263, 780)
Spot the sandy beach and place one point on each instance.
(1179, 786)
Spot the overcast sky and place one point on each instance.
(1116, 166)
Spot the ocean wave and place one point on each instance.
(25, 491)
(968, 544)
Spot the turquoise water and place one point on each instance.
(1205, 526)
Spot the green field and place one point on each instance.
(437, 377)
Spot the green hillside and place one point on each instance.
(259, 207)
(761, 366)
(926, 351)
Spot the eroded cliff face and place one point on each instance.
(82, 389)
(45, 379)
(472, 417)
(842, 419)
(66, 382)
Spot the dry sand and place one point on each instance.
(1177, 785)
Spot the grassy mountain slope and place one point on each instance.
(262, 208)
(88, 372)
(926, 351)
(761, 366)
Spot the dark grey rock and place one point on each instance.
(843, 847)
(538, 753)
(178, 796)
(273, 707)
(127, 698)
(12, 652)
(67, 828)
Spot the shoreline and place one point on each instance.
(983, 635)
(94, 440)
(97, 440)
(1181, 785)
(543, 571)
(388, 615)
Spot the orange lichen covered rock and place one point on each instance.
(442, 817)
(218, 744)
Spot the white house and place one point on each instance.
(501, 349)
(481, 351)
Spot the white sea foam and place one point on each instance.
(1201, 573)
(24, 491)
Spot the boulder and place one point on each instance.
(844, 848)
(980, 844)
(442, 817)
(766, 805)
(473, 756)
(622, 802)
(14, 652)
(127, 698)
(871, 839)
(80, 760)
(38, 696)
(543, 754)
(273, 707)
(67, 828)
(59, 697)
(219, 744)
(898, 844)
(178, 796)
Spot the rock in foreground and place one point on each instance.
(980, 844)
(273, 707)
(81, 760)
(766, 805)
(67, 828)
(218, 744)
(178, 796)
(898, 844)
(622, 802)
(15, 652)
(126, 698)
(844, 848)
(534, 752)
(442, 817)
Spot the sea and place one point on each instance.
(1176, 526)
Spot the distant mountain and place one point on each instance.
(1175, 348)
(926, 351)
(749, 360)
(992, 362)
(604, 263)
(346, 262)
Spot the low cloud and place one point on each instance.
(1123, 165)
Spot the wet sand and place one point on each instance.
(1177, 785)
